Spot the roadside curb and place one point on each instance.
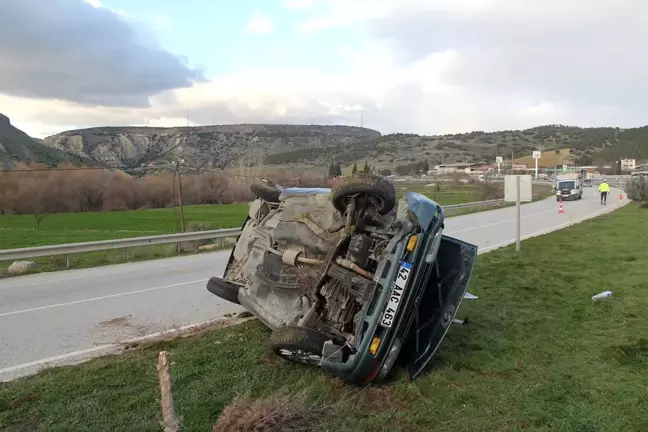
(77, 357)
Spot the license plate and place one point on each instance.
(396, 295)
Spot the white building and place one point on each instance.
(628, 164)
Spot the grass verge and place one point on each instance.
(537, 354)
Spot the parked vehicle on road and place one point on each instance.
(348, 278)
(569, 187)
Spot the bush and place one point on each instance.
(32, 189)
(637, 189)
(488, 191)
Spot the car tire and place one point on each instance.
(298, 344)
(362, 183)
(223, 289)
(266, 190)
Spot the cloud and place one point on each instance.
(416, 66)
(83, 52)
(259, 24)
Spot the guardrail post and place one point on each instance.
(127, 254)
(67, 260)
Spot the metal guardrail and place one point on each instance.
(101, 245)
(474, 204)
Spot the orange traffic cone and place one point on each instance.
(560, 208)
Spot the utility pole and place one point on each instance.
(177, 166)
(361, 118)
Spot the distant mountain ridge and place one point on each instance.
(314, 146)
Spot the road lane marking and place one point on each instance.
(499, 222)
(100, 298)
(157, 335)
(554, 228)
(113, 269)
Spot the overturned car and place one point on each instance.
(347, 278)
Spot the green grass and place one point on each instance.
(18, 231)
(537, 354)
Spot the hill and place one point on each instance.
(17, 146)
(315, 146)
(549, 158)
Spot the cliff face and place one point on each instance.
(207, 146)
(17, 146)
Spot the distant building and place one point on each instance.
(455, 167)
(628, 164)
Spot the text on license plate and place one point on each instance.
(396, 294)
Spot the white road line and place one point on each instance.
(100, 298)
(500, 222)
(92, 272)
(156, 335)
(553, 229)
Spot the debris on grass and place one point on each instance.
(169, 420)
(602, 295)
(273, 414)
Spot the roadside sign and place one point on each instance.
(499, 160)
(564, 167)
(517, 188)
(536, 154)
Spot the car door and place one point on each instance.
(447, 283)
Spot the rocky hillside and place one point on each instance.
(17, 146)
(214, 146)
(311, 145)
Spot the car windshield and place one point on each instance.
(567, 185)
(588, 181)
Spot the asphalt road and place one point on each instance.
(64, 317)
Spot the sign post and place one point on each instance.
(518, 189)
(536, 156)
(498, 161)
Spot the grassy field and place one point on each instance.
(17, 231)
(537, 354)
(548, 158)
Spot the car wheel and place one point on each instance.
(379, 188)
(298, 344)
(223, 289)
(266, 189)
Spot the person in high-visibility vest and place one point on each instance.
(604, 189)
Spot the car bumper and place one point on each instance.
(567, 197)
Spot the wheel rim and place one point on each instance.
(300, 356)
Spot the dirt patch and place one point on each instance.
(273, 414)
(16, 403)
(381, 399)
(119, 321)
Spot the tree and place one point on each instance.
(338, 170)
(618, 167)
(355, 168)
(366, 168)
(331, 170)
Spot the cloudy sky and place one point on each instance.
(414, 66)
